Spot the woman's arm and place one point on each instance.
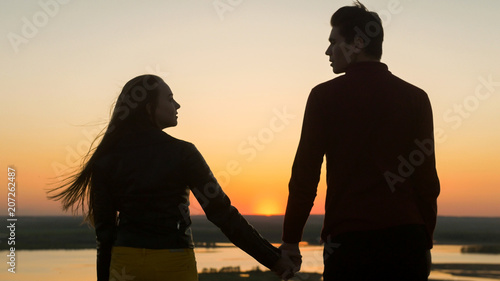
(219, 211)
(105, 216)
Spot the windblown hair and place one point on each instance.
(355, 21)
(133, 111)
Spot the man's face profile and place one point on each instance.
(341, 54)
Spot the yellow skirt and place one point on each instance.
(140, 264)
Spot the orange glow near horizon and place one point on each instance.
(267, 207)
(262, 190)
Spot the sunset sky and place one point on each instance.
(242, 71)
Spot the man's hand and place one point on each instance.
(284, 267)
(292, 251)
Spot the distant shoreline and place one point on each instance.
(481, 249)
(480, 235)
(463, 270)
(465, 249)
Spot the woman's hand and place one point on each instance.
(284, 267)
(292, 251)
(290, 261)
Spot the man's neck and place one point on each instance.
(363, 57)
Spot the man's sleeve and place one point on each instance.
(306, 171)
(425, 176)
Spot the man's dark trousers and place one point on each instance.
(397, 253)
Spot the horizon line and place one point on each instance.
(254, 215)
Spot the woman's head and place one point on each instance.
(165, 111)
(145, 101)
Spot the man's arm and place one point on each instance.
(425, 175)
(305, 171)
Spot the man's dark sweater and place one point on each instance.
(376, 131)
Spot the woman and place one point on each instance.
(136, 186)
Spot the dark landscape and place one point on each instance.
(477, 235)
(66, 232)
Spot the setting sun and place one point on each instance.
(267, 207)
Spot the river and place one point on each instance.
(79, 265)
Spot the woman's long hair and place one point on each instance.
(133, 111)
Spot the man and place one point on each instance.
(376, 131)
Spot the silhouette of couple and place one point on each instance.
(380, 213)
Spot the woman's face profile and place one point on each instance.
(166, 111)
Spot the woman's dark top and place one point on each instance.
(141, 199)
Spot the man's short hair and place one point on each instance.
(358, 21)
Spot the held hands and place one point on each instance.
(292, 251)
(290, 261)
(284, 268)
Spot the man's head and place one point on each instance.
(357, 35)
